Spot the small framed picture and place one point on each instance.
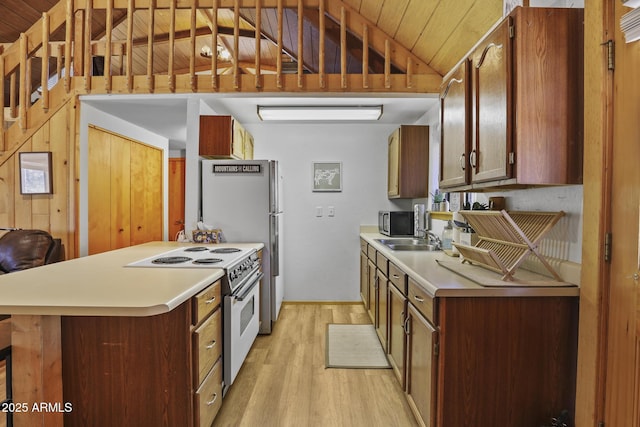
(327, 176)
(35, 173)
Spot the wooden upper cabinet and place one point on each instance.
(492, 144)
(222, 137)
(408, 162)
(455, 121)
(525, 126)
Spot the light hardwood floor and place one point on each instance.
(284, 382)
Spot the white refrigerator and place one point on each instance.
(242, 197)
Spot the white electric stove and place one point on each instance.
(200, 256)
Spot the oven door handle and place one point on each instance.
(253, 285)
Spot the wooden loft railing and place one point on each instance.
(63, 46)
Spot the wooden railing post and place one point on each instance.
(321, 24)
(279, 43)
(172, 43)
(258, 59)
(343, 48)
(192, 48)
(108, 53)
(236, 43)
(150, 34)
(129, 53)
(44, 75)
(22, 84)
(365, 56)
(214, 44)
(88, 55)
(67, 46)
(387, 64)
(300, 43)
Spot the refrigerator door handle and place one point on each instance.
(275, 246)
(273, 188)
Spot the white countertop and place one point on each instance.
(101, 285)
(439, 281)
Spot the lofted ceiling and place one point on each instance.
(437, 32)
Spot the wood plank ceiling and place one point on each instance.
(437, 32)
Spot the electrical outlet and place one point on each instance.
(331, 211)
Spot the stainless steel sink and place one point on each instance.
(408, 244)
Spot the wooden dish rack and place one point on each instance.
(505, 239)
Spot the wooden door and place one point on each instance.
(364, 279)
(120, 175)
(99, 183)
(455, 108)
(146, 193)
(622, 406)
(421, 366)
(397, 339)
(372, 291)
(492, 92)
(176, 196)
(125, 186)
(382, 308)
(393, 183)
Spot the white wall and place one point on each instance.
(321, 254)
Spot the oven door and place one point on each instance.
(241, 324)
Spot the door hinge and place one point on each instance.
(512, 158)
(436, 349)
(607, 247)
(601, 424)
(512, 31)
(611, 50)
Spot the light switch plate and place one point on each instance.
(319, 211)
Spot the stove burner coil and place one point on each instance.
(207, 261)
(171, 260)
(224, 250)
(196, 249)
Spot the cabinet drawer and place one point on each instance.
(371, 253)
(421, 300)
(398, 278)
(206, 301)
(382, 263)
(208, 398)
(207, 345)
(363, 245)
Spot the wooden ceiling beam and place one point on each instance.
(186, 4)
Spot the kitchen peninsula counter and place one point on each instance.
(142, 321)
(102, 284)
(441, 282)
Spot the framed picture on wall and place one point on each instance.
(327, 176)
(35, 173)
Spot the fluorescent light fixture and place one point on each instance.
(319, 112)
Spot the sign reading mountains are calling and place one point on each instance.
(237, 168)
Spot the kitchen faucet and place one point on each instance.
(432, 237)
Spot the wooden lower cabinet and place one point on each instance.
(396, 339)
(145, 371)
(481, 361)
(364, 279)
(372, 290)
(422, 354)
(382, 308)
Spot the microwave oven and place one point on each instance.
(395, 223)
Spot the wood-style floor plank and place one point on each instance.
(284, 382)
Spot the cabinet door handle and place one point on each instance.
(452, 81)
(417, 298)
(461, 161)
(210, 300)
(376, 282)
(395, 276)
(485, 51)
(472, 158)
(213, 399)
(405, 326)
(211, 344)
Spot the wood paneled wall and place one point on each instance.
(55, 212)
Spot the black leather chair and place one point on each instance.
(22, 249)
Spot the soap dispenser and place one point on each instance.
(447, 236)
